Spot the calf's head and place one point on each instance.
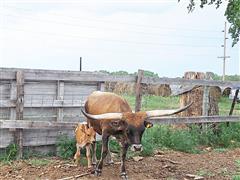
(84, 135)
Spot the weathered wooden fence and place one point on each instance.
(36, 106)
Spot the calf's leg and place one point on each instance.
(88, 154)
(77, 154)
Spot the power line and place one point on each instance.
(107, 21)
(109, 28)
(114, 40)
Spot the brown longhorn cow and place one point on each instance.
(111, 115)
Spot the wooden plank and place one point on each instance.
(7, 74)
(23, 124)
(19, 111)
(7, 103)
(190, 82)
(101, 86)
(42, 88)
(205, 105)
(194, 120)
(4, 113)
(83, 76)
(13, 97)
(45, 136)
(138, 91)
(51, 75)
(27, 124)
(72, 90)
(6, 138)
(5, 90)
(44, 103)
(60, 96)
(73, 114)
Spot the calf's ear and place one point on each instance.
(148, 124)
(83, 128)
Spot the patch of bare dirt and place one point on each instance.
(165, 165)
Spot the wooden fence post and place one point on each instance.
(205, 104)
(60, 96)
(19, 111)
(101, 86)
(139, 90)
(233, 103)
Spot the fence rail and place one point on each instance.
(50, 75)
(31, 124)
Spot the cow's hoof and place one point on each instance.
(110, 163)
(98, 172)
(124, 176)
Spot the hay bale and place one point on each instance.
(215, 93)
(159, 90)
(124, 88)
(110, 86)
(196, 95)
(226, 91)
(164, 90)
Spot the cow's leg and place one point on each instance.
(109, 157)
(77, 154)
(94, 157)
(125, 146)
(88, 154)
(105, 138)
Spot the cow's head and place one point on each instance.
(84, 135)
(136, 122)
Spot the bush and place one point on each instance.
(189, 140)
(10, 153)
(66, 147)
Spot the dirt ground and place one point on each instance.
(164, 165)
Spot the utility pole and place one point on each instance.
(80, 64)
(224, 57)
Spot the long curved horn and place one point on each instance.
(159, 113)
(103, 116)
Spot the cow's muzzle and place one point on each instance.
(136, 147)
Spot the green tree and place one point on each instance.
(232, 14)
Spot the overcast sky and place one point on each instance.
(156, 35)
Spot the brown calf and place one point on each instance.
(85, 137)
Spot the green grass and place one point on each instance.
(38, 162)
(237, 176)
(150, 102)
(10, 153)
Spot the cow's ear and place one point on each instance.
(148, 124)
